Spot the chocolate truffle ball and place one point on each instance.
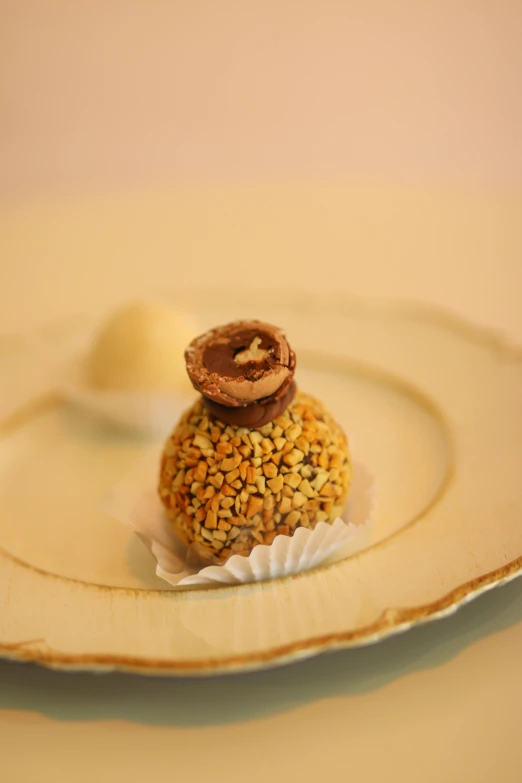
(244, 370)
(253, 457)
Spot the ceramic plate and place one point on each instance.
(434, 409)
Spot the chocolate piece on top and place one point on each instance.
(243, 365)
(255, 415)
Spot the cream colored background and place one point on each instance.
(368, 147)
(132, 91)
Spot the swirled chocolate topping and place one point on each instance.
(244, 370)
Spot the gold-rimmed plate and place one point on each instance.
(432, 407)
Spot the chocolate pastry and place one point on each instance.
(253, 457)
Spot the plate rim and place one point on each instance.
(382, 628)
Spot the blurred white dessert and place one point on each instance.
(140, 348)
(133, 376)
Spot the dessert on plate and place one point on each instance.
(140, 349)
(254, 457)
(133, 373)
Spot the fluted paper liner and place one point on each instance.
(135, 502)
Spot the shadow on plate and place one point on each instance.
(240, 697)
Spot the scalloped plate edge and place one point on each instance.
(391, 622)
